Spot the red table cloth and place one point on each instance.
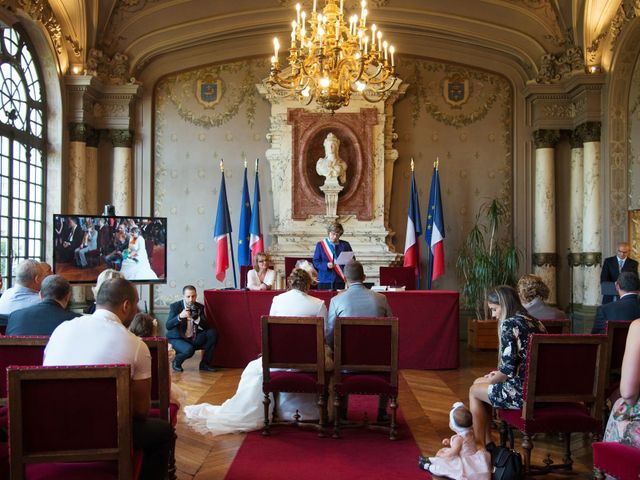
(428, 325)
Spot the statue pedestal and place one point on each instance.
(331, 191)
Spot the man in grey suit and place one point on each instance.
(357, 301)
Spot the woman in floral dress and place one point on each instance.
(502, 388)
(624, 421)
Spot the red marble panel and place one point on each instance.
(355, 131)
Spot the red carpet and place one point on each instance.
(291, 453)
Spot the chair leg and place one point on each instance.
(527, 446)
(393, 430)
(171, 471)
(265, 402)
(336, 416)
(321, 410)
(568, 462)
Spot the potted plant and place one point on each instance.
(484, 261)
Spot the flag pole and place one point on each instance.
(233, 260)
(413, 179)
(430, 262)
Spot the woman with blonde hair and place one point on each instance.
(533, 294)
(261, 277)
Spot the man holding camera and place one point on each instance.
(188, 330)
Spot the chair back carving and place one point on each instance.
(293, 343)
(366, 344)
(24, 351)
(557, 325)
(160, 381)
(616, 332)
(70, 428)
(398, 277)
(565, 368)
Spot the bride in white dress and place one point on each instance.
(244, 411)
(136, 266)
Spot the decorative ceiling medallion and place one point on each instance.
(455, 90)
(209, 91)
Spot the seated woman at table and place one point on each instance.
(244, 411)
(261, 277)
(502, 388)
(624, 422)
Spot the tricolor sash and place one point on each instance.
(330, 252)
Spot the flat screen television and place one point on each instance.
(84, 246)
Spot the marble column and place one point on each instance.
(92, 139)
(591, 217)
(545, 257)
(76, 185)
(576, 207)
(122, 181)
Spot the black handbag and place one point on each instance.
(506, 464)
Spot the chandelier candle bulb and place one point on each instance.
(337, 31)
(276, 47)
(392, 51)
(379, 35)
(298, 12)
(341, 6)
(373, 36)
(385, 45)
(314, 6)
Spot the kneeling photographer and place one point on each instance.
(188, 330)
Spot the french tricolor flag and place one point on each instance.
(256, 242)
(434, 233)
(222, 231)
(414, 230)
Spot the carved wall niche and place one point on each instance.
(355, 131)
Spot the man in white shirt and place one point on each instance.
(29, 276)
(103, 338)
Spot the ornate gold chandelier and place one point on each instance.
(331, 56)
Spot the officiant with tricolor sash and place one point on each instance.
(326, 258)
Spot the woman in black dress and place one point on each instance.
(502, 388)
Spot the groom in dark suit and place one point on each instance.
(613, 266)
(627, 308)
(188, 330)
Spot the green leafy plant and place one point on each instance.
(484, 260)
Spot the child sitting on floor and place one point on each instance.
(460, 458)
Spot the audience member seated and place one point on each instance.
(188, 330)
(104, 276)
(70, 241)
(502, 388)
(29, 276)
(144, 325)
(119, 245)
(357, 301)
(624, 422)
(43, 318)
(627, 308)
(89, 244)
(261, 277)
(244, 411)
(103, 339)
(533, 294)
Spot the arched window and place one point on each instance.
(22, 157)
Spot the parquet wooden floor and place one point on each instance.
(425, 398)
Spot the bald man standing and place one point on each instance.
(613, 266)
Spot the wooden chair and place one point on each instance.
(23, 351)
(557, 325)
(161, 407)
(616, 332)
(365, 358)
(398, 277)
(71, 437)
(296, 346)
(563, 392)
(244, 269)
(620, 461)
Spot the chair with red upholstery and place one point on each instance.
(27, 351)
(557, 325)
(617, 460)
(365, 358)
(398, 277)
(161, 407)
(563, 392)
(71, 438)
(244, 269)
(295, 347)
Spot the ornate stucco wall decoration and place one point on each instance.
(208, 91)
(481, 91)
(554, 67)
(40, 11)
(627, 11)
(110, 70)
(348, 4)
(238, 93)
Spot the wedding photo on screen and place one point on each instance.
(85, 246)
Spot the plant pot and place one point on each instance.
(482, 334)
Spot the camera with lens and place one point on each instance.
(194, 311)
